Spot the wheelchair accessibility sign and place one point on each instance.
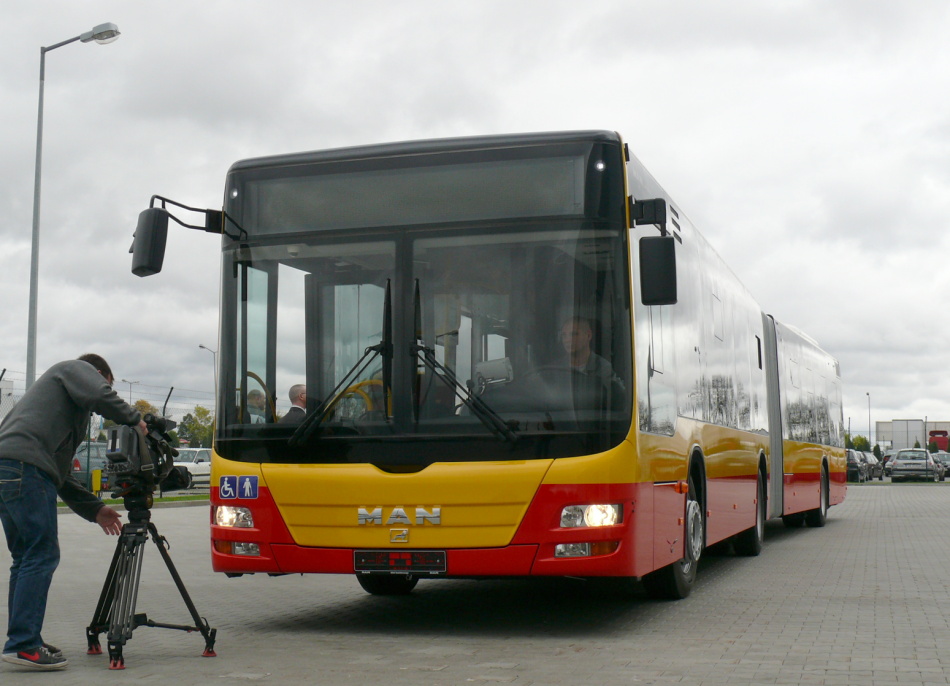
(237, 488)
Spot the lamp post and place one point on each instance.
(131, 383)
(214, 356)
(869, 419)
(102, 34)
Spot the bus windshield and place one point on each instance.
(501, 339)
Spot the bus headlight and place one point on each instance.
(588, 549)
(231, 517)
(237, 548)
(591, 515)
(252, 549)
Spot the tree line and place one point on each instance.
(862, 444)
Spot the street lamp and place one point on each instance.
(102, 34)
(214, 356)
(131, 383)
(869, 419)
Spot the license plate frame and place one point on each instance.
(383, 561)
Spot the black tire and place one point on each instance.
(748, 543)
(387, 584)
(819, 515)
(794, 521)
(676, 581)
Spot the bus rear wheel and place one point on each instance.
(675, 581)
(749, 542)
(819, 515)
(387, 584)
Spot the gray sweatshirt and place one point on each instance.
(50, 421)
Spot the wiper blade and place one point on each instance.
(491, 419)
(384, 348)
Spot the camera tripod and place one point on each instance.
(115, 612)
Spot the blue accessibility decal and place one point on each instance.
(247, 487)
(238, 488)
(227, 490)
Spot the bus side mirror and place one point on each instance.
(148, 246)
(658, 270)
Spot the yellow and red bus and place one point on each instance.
(520, 359)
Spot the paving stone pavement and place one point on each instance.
(865, 600)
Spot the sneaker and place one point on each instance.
(38, 658)
(53, 650)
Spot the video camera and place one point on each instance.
(138, 463)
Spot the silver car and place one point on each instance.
(198, 463)
(943, 458)
(918, 464)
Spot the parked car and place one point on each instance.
(944, 459)
(888, 461)
(875, 468)
(198, 463)
(857, 467)
(89, 457)
(918, 464)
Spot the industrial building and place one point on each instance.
(905, 433)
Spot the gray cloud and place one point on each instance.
(806, 140)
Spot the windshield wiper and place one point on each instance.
(491, 419)
(384, 348)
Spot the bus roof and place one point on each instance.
(435, 145)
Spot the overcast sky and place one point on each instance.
(809, 141)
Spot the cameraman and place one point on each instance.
(37, 441)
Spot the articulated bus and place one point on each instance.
(520, 359)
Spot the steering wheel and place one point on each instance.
(552, 372)
(585, 390)
(358, 400)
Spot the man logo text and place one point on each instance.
(398, 515)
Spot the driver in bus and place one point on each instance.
(576, 335)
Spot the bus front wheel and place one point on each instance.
(675, 581)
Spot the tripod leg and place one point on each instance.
(122, 619)
(100, 619)
(200, 623)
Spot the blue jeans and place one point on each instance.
(28, 514)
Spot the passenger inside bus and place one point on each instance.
(298, 405)
(255, 406)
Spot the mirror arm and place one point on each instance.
(214, 219)
(648, 212)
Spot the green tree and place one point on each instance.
(145, 407)
(861, 443)
(197, 427)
